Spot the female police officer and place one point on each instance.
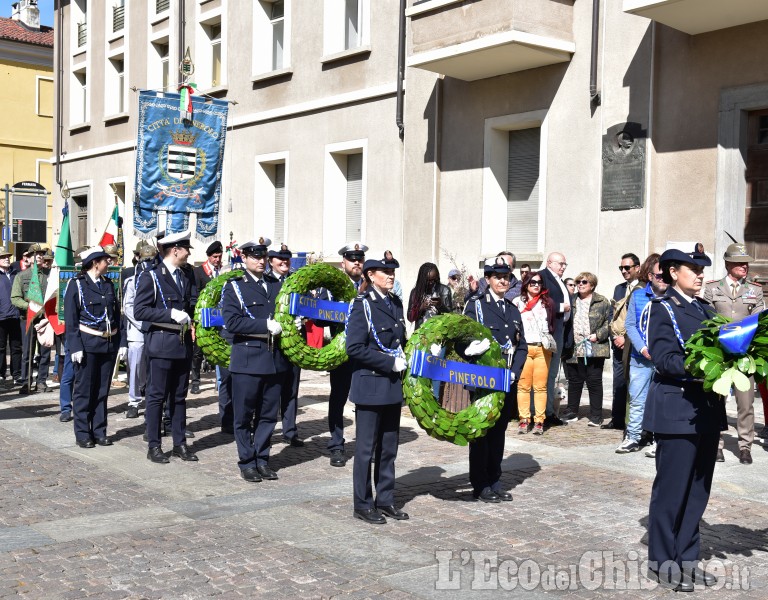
(92, 315)
(503, 319)
(375, 341)
(686, 421)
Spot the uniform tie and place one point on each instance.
(698, 307)
(388, 302)
(357, 284)
(735, 286)
(98, 284)
(501, 306)
(177, 277)
(215, 272)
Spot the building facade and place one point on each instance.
(591, 128)
(27, 101)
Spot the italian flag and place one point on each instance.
(62, 257)
(110, 234)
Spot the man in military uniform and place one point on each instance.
(257, 364)
(165, 300)
(352, 260)
(279, 270)
(736, 298)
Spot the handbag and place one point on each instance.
(547, 339)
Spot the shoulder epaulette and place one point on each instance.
(703, 300)
(757, 285)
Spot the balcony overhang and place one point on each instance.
(699, 16)
(492, 55)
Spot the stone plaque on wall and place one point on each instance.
(623, 167)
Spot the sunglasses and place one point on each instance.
(658, 276)
(626, 267)
(583, 282)
(535, 282)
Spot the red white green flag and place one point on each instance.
(110, 234)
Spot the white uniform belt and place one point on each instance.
(169, 326)
(96, 332)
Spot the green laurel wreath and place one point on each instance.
(215, 348)
(472, 422)
(292, 343)
(707, 359)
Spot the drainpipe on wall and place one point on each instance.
(594, 95)
(60, 75)
(400, 72)
(182, 30)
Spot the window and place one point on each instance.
(214, 33)
(352, 24)
(45, 93)
(114, 99)
(523, 189)
(271, 36)
(280, 217)
(344, 194)
(80, 21)
(354, 196)
(78, 96)
(79, 208)
(161, 5)
(118, 16)
(345, 25)
(210, 58)
(159, 65)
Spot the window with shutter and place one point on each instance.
(280, 201)
(354, 196)
(523, 190)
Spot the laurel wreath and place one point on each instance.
(720, 370)
(214, 347)
(472, 422)
(292, 342)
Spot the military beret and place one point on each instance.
(215, 248)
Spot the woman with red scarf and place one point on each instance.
(538, 312)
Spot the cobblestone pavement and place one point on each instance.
(107, 523)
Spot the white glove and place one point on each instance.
(435, 349)
(179, 316)
(511, 377)
(327, 334)
(400, 365)
(122, 353)
(77, 357)
(298, 322)
(274, 327)
(477, 347)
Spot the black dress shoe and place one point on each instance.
(188, 434)
(104, 442)
(678, 582)
(553, 421)
(295, 442)
(65, 417)
(611, 425)
(337, 458)
(132, 412)
(720, 456)
(251, 474)
(195, 388)
(503, 496)
(701, 576)
(393, 512)
(156, 455)
(745, 457)
(266, 472)
(85, 443)
(24, 389)
(369, 515)
(488, 495)
(184, 453)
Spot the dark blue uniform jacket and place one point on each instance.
(676, 405)
(94, 301)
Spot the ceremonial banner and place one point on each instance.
(320, 310)
(478, 376)
(179, 164)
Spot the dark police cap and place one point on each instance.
(697, 257)
(377, 264)
(496, 265)
(282, 254)
(215, 248)
(256, 247)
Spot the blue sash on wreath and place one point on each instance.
(433, 367)
(302, 305)
(736, 337)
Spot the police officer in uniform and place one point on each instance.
(352, 260)
(375, 342)
(503, 318)
(279, 270)
(92, 315)
(736, 298)
(164, 302)
(686, 421)
(257, 364)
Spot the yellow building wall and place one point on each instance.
(27, 129)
